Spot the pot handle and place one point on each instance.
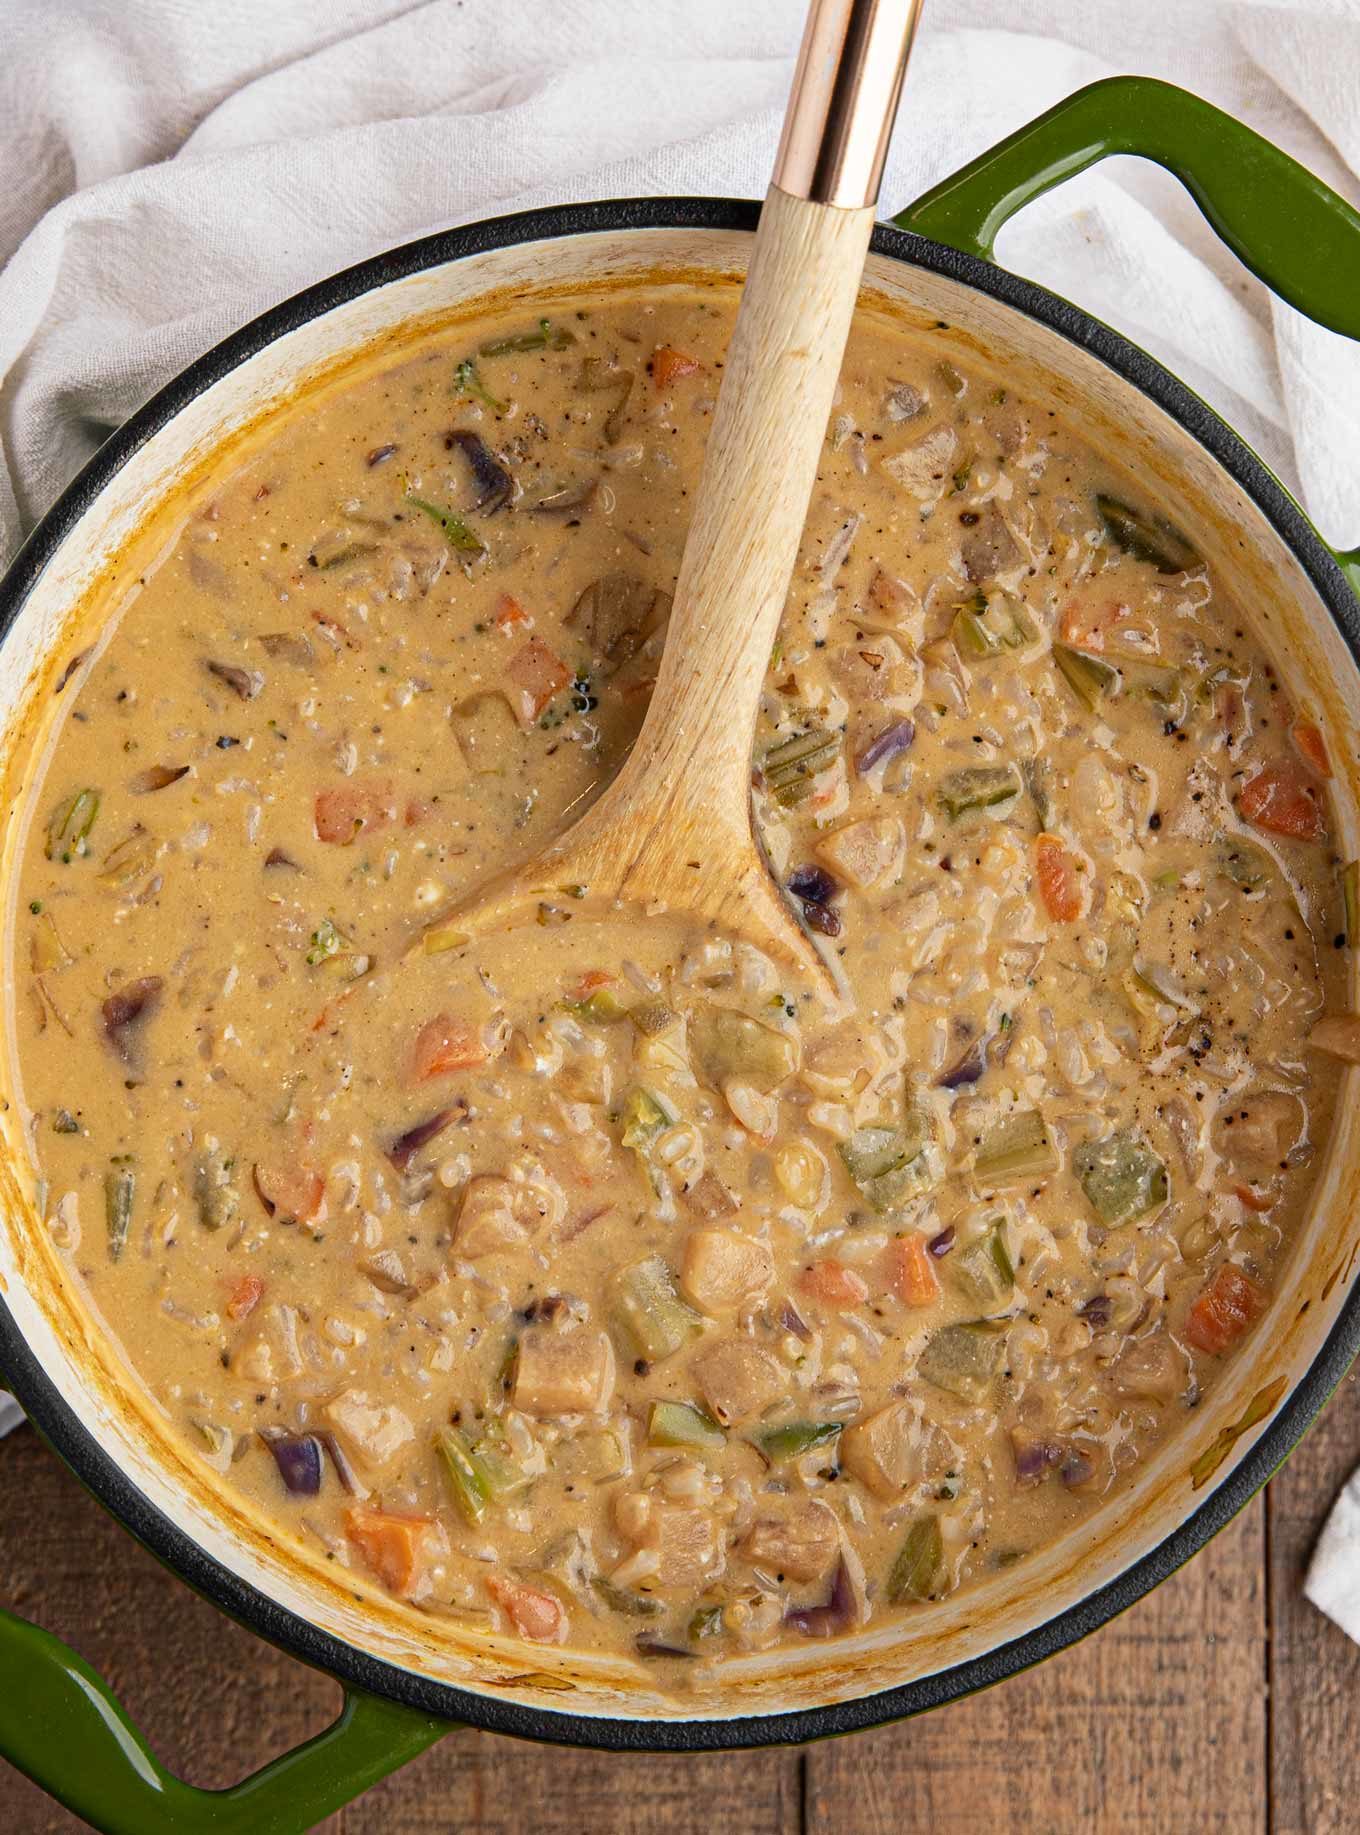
(61, 1725)
(1278, 218)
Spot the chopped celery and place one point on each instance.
(796, 1438)
(1089, 677)
(916, 1571)
(467, 381)
(985, 627)
(646, 1310)
(68, 831)
(491, 1450)
(789, 767)
(727, 1044)
(1350, 900)
(544, 336)
(601, 1007)
(1017, 1148)
(330, 949)
(46, 949)
(1146, 538)
(889, 1165)
(1038, 775)
(1122, 1177)
(126, 859)
(618, 1599)
(466, 1475)
(962, 1359)
(684, 1424)
(457, 531)
(120, 1192)
(985, 1268)
(1244, 862)
(326, 941)
(1160, 682)
(978, 787)
(642, 1117)
(706, 1622)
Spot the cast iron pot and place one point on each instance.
(409, 1679)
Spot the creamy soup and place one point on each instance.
(591, 1281)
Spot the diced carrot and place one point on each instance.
(592, 979)
(910, 1271)
(668, 364)
(533, 676)
(328, 1013)
(1224, 1310)
(1258, 1201)
(833, 1284)
(535, 1615)
(444, 1045)
(1282, 800)
(416, 810)
(293, 1194)
(245, 1296)
(344, 811)
(1059, 882)
(391, 1545)
(1085, 626)
(1311, 747)
(510, 614)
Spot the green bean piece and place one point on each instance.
(1122, 1177)
(468, 381)
(915, 1574)
(646, 1311)
(618, 1599)
(789, 767)
(457, 531)
(215, 1194)
(796, 1438)
(120, 1193)
(545, 336)
(601, 1007)
(706, 1622)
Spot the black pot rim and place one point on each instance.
(77, 1444)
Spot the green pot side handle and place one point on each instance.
(60, 1724)
(1278, 218)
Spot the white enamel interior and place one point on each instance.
(78, 1358)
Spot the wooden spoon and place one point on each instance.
(674, 830)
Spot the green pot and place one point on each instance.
(58, 1721)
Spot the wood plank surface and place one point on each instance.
(1162, 1722)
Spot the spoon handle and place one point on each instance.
(777, 391)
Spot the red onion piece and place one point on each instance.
(125, 1012)
(406, 1146)
(791, 1321)
(298, 1457)
(892, 740)
(941, 1245)
(493, 481)
(967, 1070)
(835, 1616)
(1034, 1457)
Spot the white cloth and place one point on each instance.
(1333, 1582)
(169, 169)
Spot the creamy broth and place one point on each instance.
(590, 1281)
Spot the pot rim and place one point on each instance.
(357, 1668)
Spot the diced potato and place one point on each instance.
(563, 1372)
(864, 853)
(679, 1544)
(373, 1432)
(882, 1451)
(802, 1543)
(839, 1057)
(1338, 1034)
(1260, 1129)
(709, 1198)
(496, 1214)
(923, 468)
(1152, 1367)
(737, 1379)
(720, 1270)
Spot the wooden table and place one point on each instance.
(1222, 1702)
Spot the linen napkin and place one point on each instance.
(172, 169)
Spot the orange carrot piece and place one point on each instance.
(1059, 882)
(1224, 1310)
(668, 364)
(1311, 747)
(392, 1546)
(293, 1194)
(833, 1284)
(444, 1045)
(245, 1296)
(1258, 1201)
(510, 613)
(535, 1615)
(1282, 800)
(344, 811)
(910, 1271)
(1084, 627)
(533, 676)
